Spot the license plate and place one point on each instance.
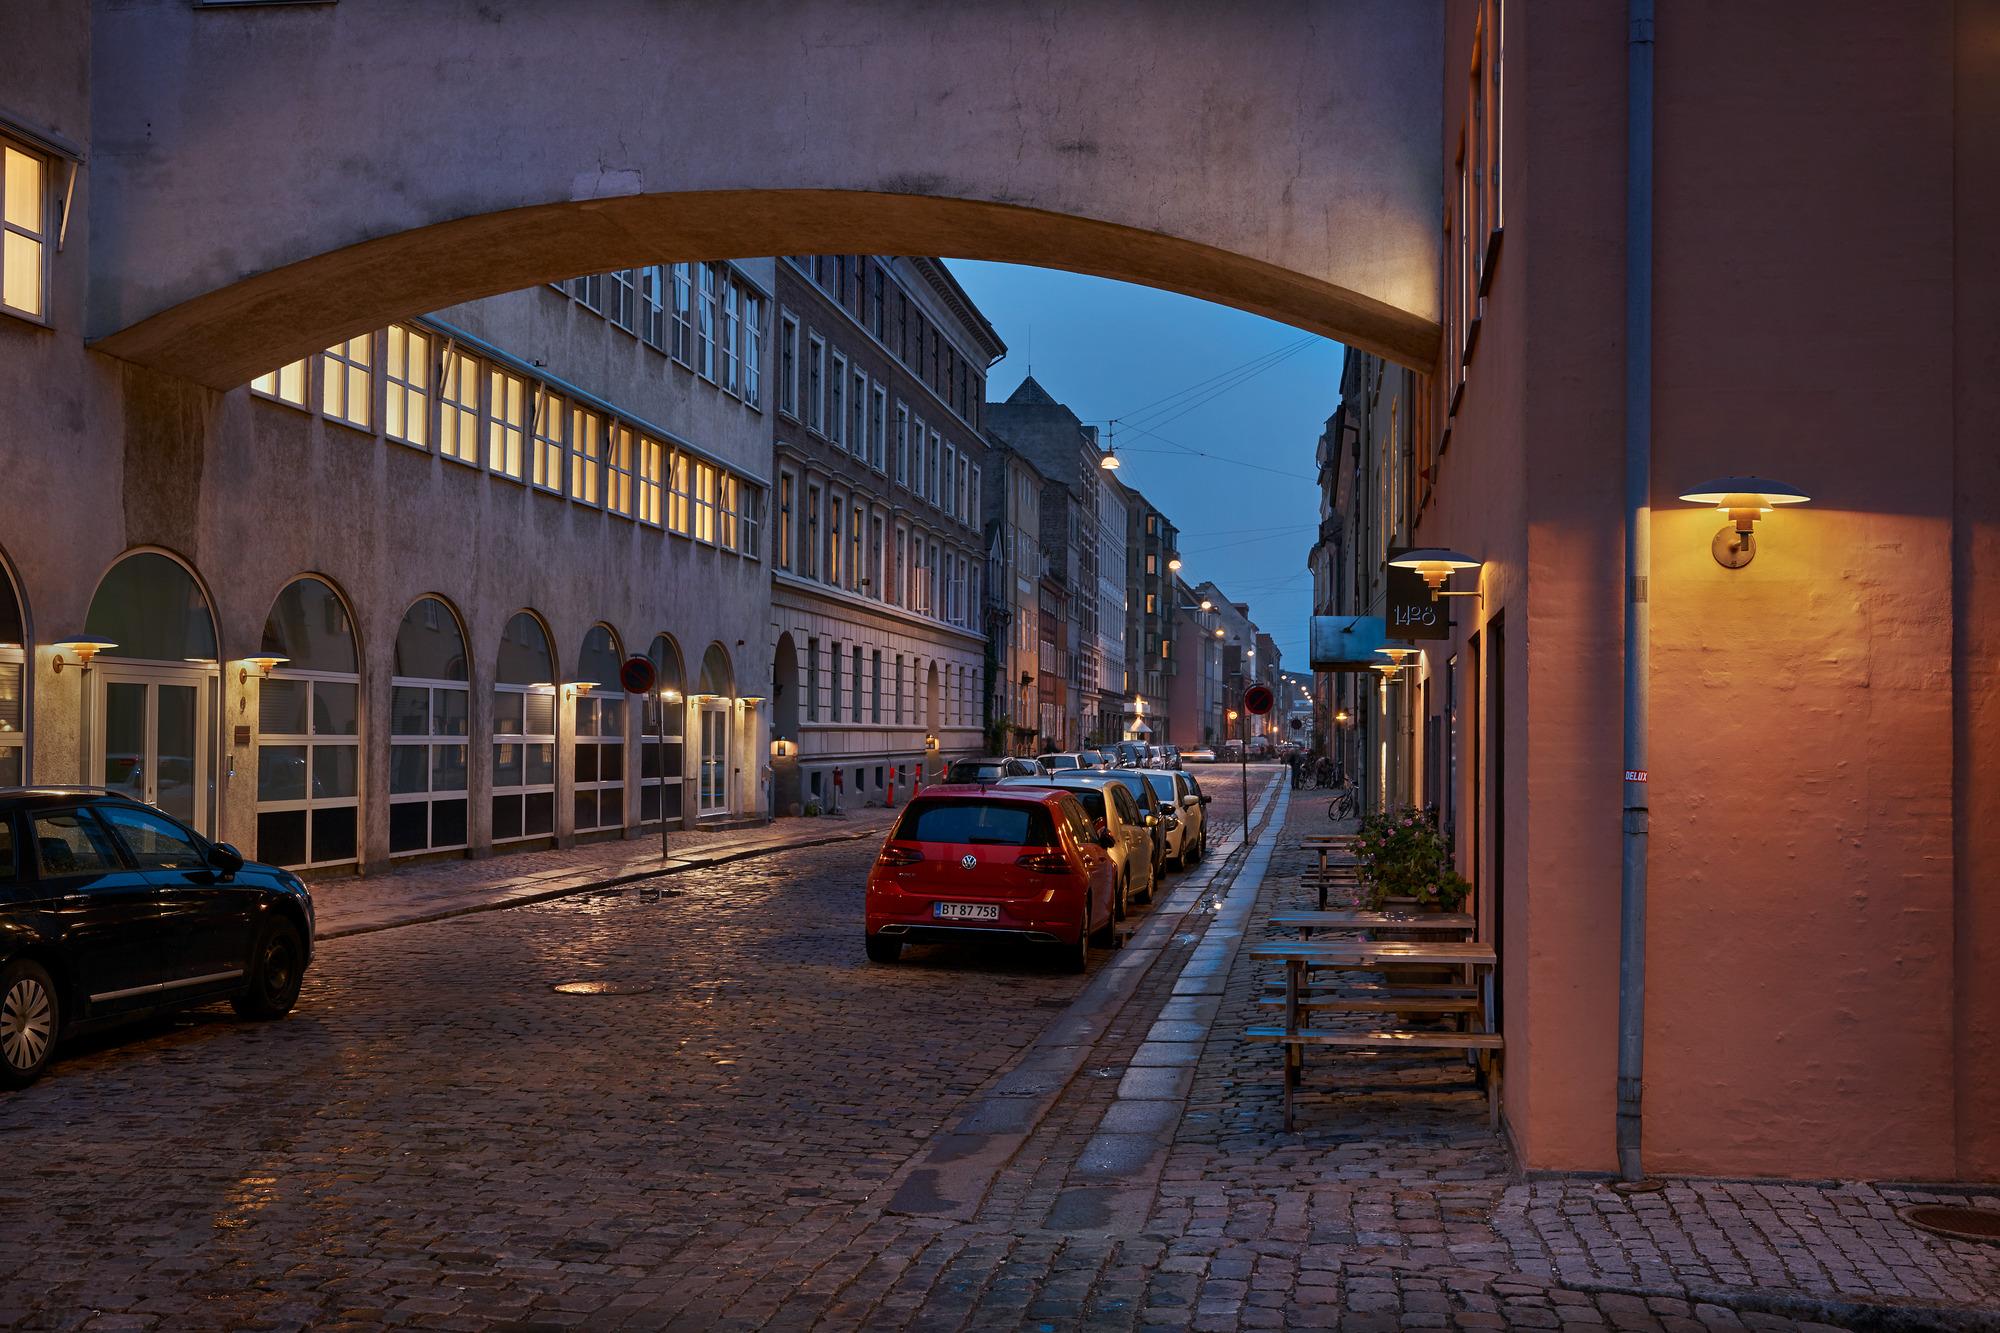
(966, 911)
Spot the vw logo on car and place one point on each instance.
(968, 862)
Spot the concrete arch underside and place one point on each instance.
(1280, 157)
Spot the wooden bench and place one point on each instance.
(1306, 923)
(1295, 1040)
(1382, 1004)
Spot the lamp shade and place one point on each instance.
(1426, 558)
(1723, 491)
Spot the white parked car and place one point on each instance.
(1189, 842)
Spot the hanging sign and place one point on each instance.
(1258, 699)
(637, 675)
(1409, 608)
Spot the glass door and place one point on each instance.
(714, 759)
(150, 728)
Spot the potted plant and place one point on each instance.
(1406, 865)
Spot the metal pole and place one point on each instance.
(660, 718)
(1638, 571)
(1243, 715)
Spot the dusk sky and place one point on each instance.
(1111, 349)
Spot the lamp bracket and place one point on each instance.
(1733, 549)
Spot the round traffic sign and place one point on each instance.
(638, 675)
(1258, 699)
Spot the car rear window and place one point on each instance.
(1054, 761)
(996, 823)
(1090, 798)
(968, 771)
(1163, 785)
(1136, 784)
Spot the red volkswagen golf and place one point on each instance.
(1022, 862)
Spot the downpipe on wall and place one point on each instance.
(1638, 576)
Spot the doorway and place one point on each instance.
(714, 792)
(153, 726)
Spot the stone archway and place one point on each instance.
(785, 709)
(1279, 157)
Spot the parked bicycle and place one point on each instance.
(1346, 803)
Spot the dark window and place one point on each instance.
(155, 842)
(8, 873)
(1000, 823)
(71, 842)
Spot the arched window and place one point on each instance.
(600, 734)
(308, 731)
(718, 691)
(13, 683)
(524, 733)
(662, 718)
(153, 695)
(429, 711)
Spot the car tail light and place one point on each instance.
(899, 856)
(1044, 862)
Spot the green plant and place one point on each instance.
(1404, 856)
(812, 809)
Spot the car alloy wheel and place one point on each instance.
(28, 1022)
(277, 970)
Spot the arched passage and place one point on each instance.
(1280, 157)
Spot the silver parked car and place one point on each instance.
(1183, 793)
(1121, 828)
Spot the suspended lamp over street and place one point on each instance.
(1174, 563)
(1744, 500)
(1434, 565)
(1108, 460)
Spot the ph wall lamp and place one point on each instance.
(1435, 564)
(1744, 500)
(261, 664)
(80, 649)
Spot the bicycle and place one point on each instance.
(1346, 803)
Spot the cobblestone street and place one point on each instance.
(779, 1134)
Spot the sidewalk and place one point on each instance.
(355, 906)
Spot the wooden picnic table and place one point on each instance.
(1353, 954)
(1431, 922)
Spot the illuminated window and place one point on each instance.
(753, 350)
(406, 378)
(619, 463)
(24, 233)
(458, 407)
(704, 502)
(286, 384)
(652, 480)
(836, 520)
(506, 423)
(550, 418)
(344, 383)
(680, 496)
(586, 451)
(787, 532)
(683, 349)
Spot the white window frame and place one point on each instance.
(311, 740)
(18, 234)
(836, 407)
(705, 329)
(753, 349)
(683, 348)
(653, 306)
(902, 444)
(458, 413)
(288, 384)
(406, 387)
(526, 740)
(594, 705)
(586, 456)
(652, 482)
(551, 434)
(789, 367)
(857, 410)
(704, 501)
(350, 365)
(620, 465)
(506, 424)
(431, 741)
(732, 327)
(815, 384)
(624, 305)
(878, 429)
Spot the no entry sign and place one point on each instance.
(637, 675)
(1258, 699)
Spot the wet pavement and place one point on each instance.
(765, 1130)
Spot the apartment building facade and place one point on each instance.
(1152, 570)
(879, 563)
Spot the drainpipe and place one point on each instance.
(1638, 571)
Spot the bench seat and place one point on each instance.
(1391, 1040)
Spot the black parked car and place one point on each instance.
(110, 910)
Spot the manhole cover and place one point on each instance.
(602, 987)
(1956, 1221)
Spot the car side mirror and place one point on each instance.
(1206, 798)
(1190, 801)
(224, 859)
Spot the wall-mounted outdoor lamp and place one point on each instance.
(261, 664)
(1218, 632)
(582, 687)
(1399, 653)
(1207, 605)
(80, 649)
(1745, 500)
(750, 700)
(930, 742)
(670, 696)
(1340, 717)
(1434, 565)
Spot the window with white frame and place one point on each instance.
(856, 524)
(959, 487)
(286, 384)
(551, 417)
(506, 424)
(787, 521)
(753, 349)
(458, 407)
(652, 481)
(586, 455)
(902, 444)
(344, 381)
(836, 521)
(662, 717)
(836, 416)
(704, 502)
(309, 731)
(588, 291)
(857, 408)
(815, 387)
(950, 492)
(917, 469)
(974, 511)
(406, 380)
(749, 519)
(619, 464)
(931, 477)
(732, 325)
(597, 749)
(524, 733)
(653, 305)
(705, 330)
(878, 429)
(683, 350)
(873, 576)
(809, 535)
(624, 311)
(24, 233)
(726, 511)
(788, 366)
(429, 722)
(680, 495)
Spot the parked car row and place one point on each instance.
(1053, 859)
(111, 910)
(1119, 754)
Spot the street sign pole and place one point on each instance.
(1244, 755)
(660, 721)
(638, 676)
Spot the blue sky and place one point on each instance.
(1111, 349)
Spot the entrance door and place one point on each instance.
(151, 729)
(714, 759)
